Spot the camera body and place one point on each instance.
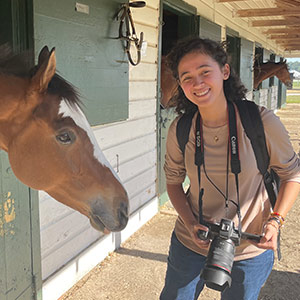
(225, 237)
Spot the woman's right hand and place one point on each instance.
(193, 230)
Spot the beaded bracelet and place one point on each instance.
(276, 216)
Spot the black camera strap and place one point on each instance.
(234, 157)
(199, 160)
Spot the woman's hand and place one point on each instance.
(193, 230)
(270, 235)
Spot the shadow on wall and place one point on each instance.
(281, 286)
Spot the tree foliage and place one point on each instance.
(294, 65)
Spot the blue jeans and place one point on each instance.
(183, 280)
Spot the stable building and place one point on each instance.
(47, 247)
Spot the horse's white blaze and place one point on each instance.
(80, 119)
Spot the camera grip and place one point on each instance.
(251, 237)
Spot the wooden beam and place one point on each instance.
(292, 48)
(288, 43)
(282, 30)
(266, 12)
(284, 36)
(285, 42)
(279, 40)
(270, 23)
(224, 1)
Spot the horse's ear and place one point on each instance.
(44, 54)
(45, 71)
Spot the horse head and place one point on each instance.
(51, 146)
(284, 75)
(269, 69)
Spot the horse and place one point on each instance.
(50, 143)
(268, 69)
(168, 85)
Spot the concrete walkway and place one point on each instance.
(136, 271)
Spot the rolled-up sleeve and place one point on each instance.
(283, 159)
(174, 166)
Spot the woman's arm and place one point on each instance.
(287, 195)
(182, 206)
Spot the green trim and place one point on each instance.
(163, 198)
(180, 6)
(231, 32)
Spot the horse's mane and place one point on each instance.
(14, 64)
(21, 65)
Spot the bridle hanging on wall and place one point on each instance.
(124, 15)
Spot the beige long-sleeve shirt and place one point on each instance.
(254, 203)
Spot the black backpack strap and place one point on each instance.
(183, 130)
(253, 126)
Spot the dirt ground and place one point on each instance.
(137, 269)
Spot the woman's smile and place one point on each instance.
(202, 92)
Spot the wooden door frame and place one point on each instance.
(183, 8)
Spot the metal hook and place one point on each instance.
(124, 15)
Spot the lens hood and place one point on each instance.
(216, 279)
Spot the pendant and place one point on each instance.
(216, 138)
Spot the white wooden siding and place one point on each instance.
(273, 97)
(263, 97)
(65, 233)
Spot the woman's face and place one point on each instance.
(201, 79)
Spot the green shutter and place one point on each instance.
(210, 30)
(89, 55)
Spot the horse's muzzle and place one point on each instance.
(104, 218)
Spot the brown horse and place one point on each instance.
(168, 85)
(269, 69)
(50, 144)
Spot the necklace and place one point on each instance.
(216, 137)
(216, 132)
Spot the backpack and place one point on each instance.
(253, 126)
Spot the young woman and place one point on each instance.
(207, 85)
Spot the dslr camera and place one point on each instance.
(219, 261)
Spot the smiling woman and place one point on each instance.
(226, 187)
(50, 144)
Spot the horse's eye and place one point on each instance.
(66, 138)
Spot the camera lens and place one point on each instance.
(217, 270)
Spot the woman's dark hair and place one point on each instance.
(234, 90)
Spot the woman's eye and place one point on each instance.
(186, 79)
(65, 138)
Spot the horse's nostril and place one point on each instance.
(123, 213)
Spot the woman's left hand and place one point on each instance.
(270, 234)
